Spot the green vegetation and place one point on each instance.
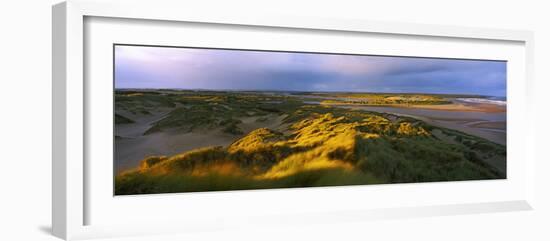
(119, 119)
(142, 102)
(386, 99)
(213, 110)
(319, 145)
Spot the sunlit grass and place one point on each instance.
(323, 146)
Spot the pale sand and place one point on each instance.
(130, 151)
(455, 106)
(133, 146)
(487, 108)
(274, 122)
(489, 125)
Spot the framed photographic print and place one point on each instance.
(203, 119)
(280, 118)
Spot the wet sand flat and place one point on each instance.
(130, 151)
(488, 125)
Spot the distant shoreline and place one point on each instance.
(455, 95)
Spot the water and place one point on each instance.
(464, 121)
(490, 100)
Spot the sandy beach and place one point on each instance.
(483, 120)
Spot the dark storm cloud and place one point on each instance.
(154, 67)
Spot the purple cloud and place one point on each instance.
(188, 68)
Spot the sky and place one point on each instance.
(220, 69)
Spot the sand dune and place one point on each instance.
(132, 146)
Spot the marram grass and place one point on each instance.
(323, 147)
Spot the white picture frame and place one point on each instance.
(72, 188)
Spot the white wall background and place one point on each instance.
(25, 100)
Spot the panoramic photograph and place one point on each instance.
(204, 119)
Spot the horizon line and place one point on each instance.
(309, 91)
